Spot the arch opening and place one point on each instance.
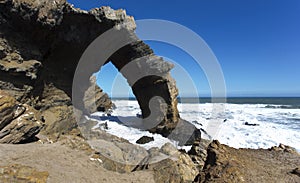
(147, 74)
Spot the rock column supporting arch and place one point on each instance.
(140, 58)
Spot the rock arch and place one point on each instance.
(147, 74)
(154, 84)
(41, 52)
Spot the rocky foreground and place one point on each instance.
(41, 141)
(71, 160)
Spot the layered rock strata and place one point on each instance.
(18, 123)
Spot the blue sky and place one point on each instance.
(257, 42)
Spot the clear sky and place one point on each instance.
(257, 42)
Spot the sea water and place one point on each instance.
(271, 121)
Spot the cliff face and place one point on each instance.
(41, 43)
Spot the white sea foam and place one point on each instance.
(125, 112)
(273, 125)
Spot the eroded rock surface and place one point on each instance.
(169, 165)
(18, 123)
(226, 164)
(198, 153)
(96, 100)
(22, 174)
(42, 42)
(117, 154)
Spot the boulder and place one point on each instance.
(116, 154)
(219, 167)
(144, 140)
(169, 165)
(184, 132)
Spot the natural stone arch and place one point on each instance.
(147, 74)
(156, 84)
(45, 45)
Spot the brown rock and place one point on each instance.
(57, 112)
(169, 165)
(198, 153)
(117, 154)
(59, 120)
(41, 44)
(7, 108)
(30, 67)
(23, 128)
(96, 100)
(283, 148)
(226, 164)
(22, 174)
(18, 123)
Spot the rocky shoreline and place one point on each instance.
(41, 43)
(71, 159)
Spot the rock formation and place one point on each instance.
(226, 164)
(96, 100)
(144, 140)
(198, 153)
(177, 168)
(41, 43)
(21, 173)
(167, 163)
(18, 123)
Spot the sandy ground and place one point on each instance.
(65, 164)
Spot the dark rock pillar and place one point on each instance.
(151, 82)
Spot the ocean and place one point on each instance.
(240, 122)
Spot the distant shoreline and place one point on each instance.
(291, 101)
